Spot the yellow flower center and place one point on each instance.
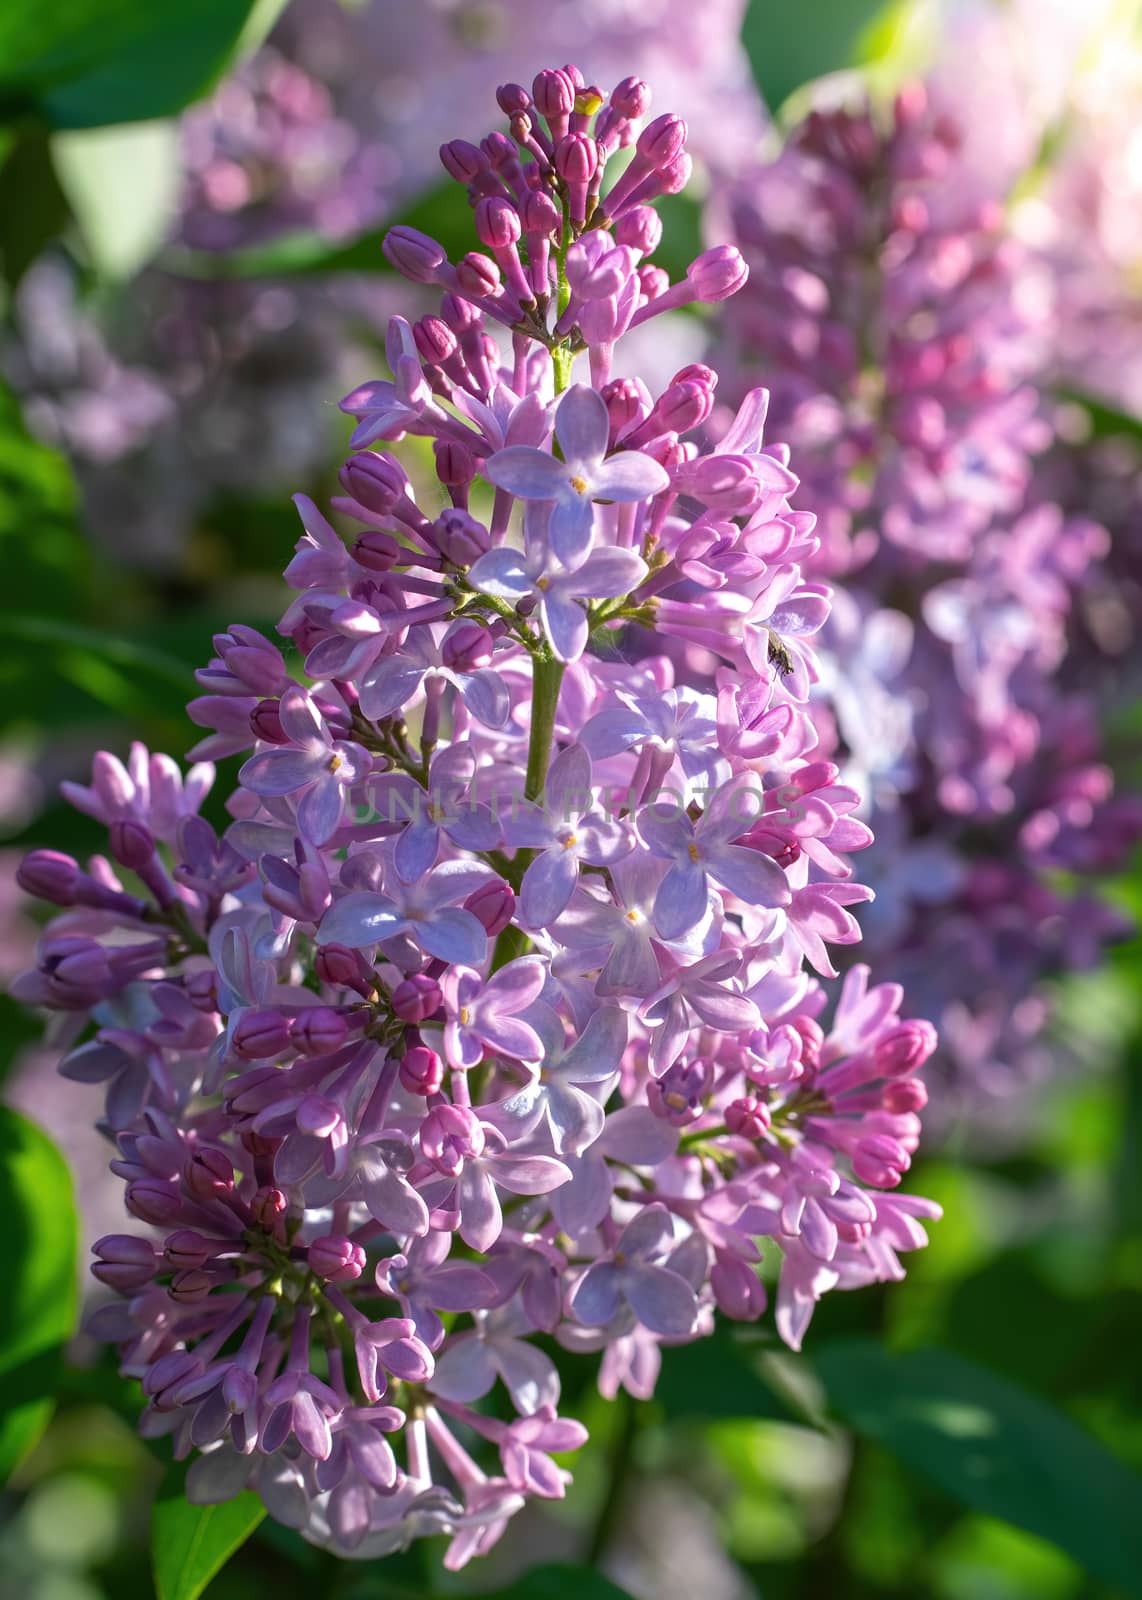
(693, 849)
(542, 584)
(335, 763)
(580, 485)
(465, 1014)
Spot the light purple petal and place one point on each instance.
(660, 1299)
(530, 1375)
(571, 527)
(390, 685)
(452, 935)
(320, 810)
(528, 474)
(529, 1174)
(481, 1220)
(486, 695)
(599, 1048)
(517, 985)
(416, 850)
(465, 1371)
(361, 918)
(565, 623)
(280, 772)
(680, 903)
(502, 573)
(629, 476)
(582, 424)
(752, 876)
(598, 1296)
(608, 573)
(576, 1120)
(548, 885)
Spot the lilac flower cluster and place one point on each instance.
(900, 326)
(488, 1016)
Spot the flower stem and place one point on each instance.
(561, 356)
(546, 683)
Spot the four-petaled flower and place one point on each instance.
(586, 473)
(313, 764)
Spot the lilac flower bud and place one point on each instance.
(640, 230)
(185, 1249)
(344, 969)
(512, 99)
(258, 1035)
(738, 1290)
(880, 1161)
(749, 1118)
(209, 1174)
(812, 1039)
(266, 722)
(416, 998)
(318, 1116)
(576, 162)
(336, 1258)
(268, 1206)
(318, 1031)
(414, 254)
(493, 904)
(463, 161)
(448, 1136)
(375, 481)
(377, 551)
(125, 1263)
(167, 1373)
(540, 213)
(477, 275)
(653, 281)
(624, 401)
(421, 1071)
(187, 1288)
(460, 539)
(435, 340)
(904, 1095)
(631, 98)
(498, 223)
(132, 844)
(50, 875)
(900, 1053)
(455, 464)
(460, 314)
(662, 141)
(718, 273)
(152, 1200)
(467, 647)
(553, 95)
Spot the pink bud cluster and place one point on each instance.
(488, 1016)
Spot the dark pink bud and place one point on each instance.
(434, 340)
(493, 904)
(377, 551)
(187, 1287)
(132, 843)
(748, 1118)
(631, 98)
(374, 480)
(498, 222)
(653, 281)
(455, 463)
(624, 401)
(125, 1263)
(50, 875)
(718, 273)
(202, 991)
(904, 1095)
(812, 1039)
(209, 1174)
(460, 314)
(576, 158)
(414, 254)
(176, 1367)
(268, 1206)
(553, 94)
(318, 1116)
(460, 538)
(258, 1035)
(421, 1070)
(415, 999)
(905, 1049)
(336, 1258)
(266, 723)
(640, 229)
(663, 140)
(336, 964)
(738, 1290)
(467, 647)
(477, 275)
(499, 151)
(318, 1031)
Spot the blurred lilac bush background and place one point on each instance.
(940, 206)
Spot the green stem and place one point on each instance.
(561, 356)
(547, 678)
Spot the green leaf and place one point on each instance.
(733, 1373)
(86, 63)
(993, 1447)
(37, 1308)
(33, 208)
(122, 183)
(790, 42)
(191, 1544)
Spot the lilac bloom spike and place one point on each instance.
(457, 988)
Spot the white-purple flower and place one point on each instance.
(314, 766)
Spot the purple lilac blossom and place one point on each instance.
(900, 324)
(567, 1027)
